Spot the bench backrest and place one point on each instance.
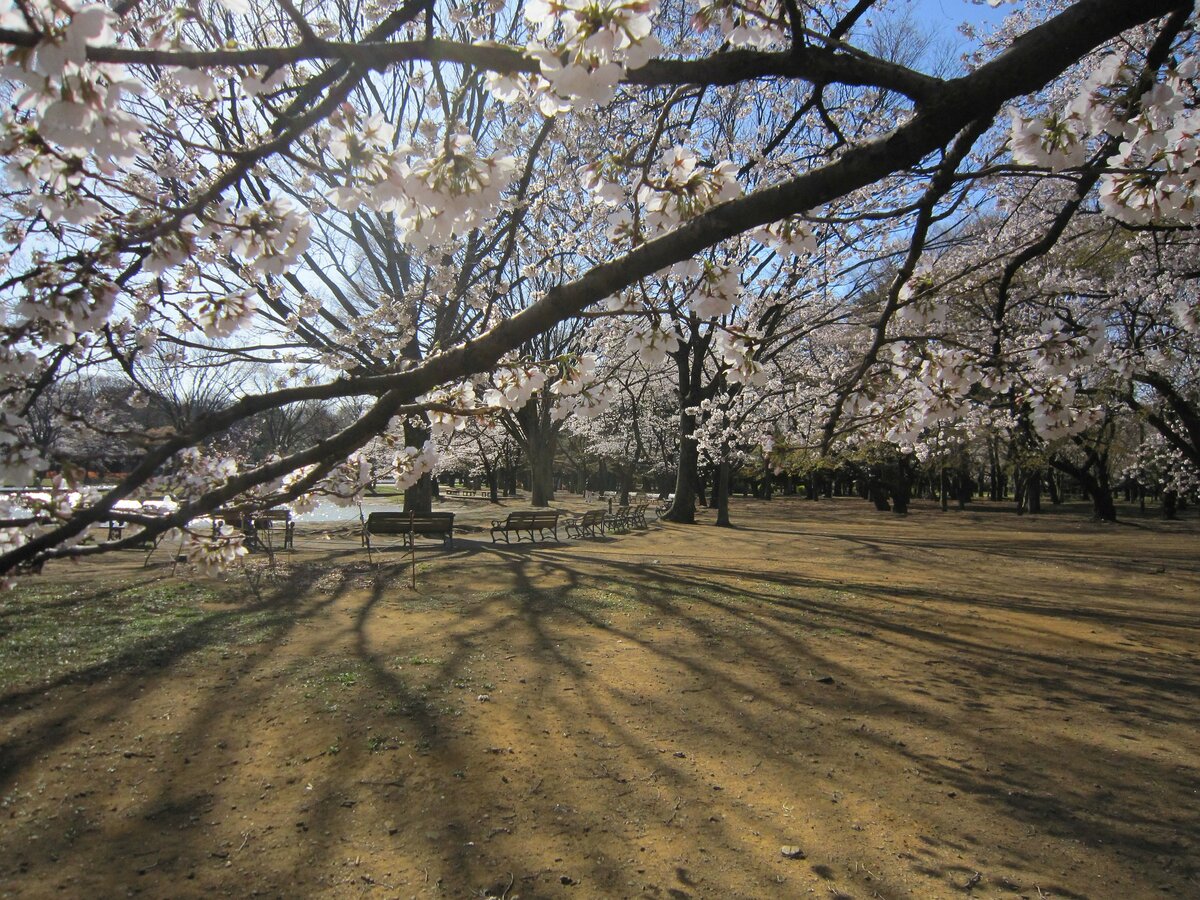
(592, 516)
(392, 522)
(531, 519)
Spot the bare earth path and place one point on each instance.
(968, 704)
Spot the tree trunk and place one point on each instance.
(877, 493)
(419, 497)
(1103, 506)
(1094, 481)
(1033, 493)
(902, 487)
(683, 508)
(541, 473)
(721, 494)
(1055, 489)
(964, 486)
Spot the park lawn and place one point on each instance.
(933, 706)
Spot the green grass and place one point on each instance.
(52, 631)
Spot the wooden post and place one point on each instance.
(412, 550)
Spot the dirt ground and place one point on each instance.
(943, 705)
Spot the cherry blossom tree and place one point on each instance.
(169, 170)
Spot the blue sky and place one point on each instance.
(944, 16)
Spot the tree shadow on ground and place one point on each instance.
(536, 719)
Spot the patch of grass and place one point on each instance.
(330, 680)
(416, 660)
(50, 631)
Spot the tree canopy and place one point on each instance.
(796, 215)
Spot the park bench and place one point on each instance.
(465, 493)
(637, 515)
(123, 515)
(408, 525)
(527, 523)
(589, 523)
(268, 523)
(625, 517)
(617, 520)
(117, 521)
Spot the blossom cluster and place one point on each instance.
(583, 48)
(514, 385)
(580, 389)
(67, 127)
(748, 23)
(412, 464)
(1155, 174)
(442, 422)
(215, 554)
(683, 189)
(736, 350)
(436, 192)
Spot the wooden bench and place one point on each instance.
(408, 525)
(125, 513)
(590, 523)
(619, 519)
(465, 493)
(271, 521)
(528, 523)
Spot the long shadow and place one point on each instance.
(1041, 670)
(768, 653)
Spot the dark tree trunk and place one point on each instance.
(997, 481)
(1093, 478)
(964, 486)
(721, 494)
(683, 508)
(1033, 493)
(902, 487)
(541, 473)
(492, 478)
(1055, 490)
(877, 493)
(419, 497)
